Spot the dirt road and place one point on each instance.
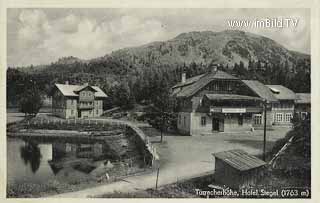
(183, 157)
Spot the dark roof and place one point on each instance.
(203, 81)
(281, 92)
(303, 98)
(230, 97)
(261, 90)
(239, 159)
(188, 81)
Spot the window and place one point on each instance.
(304, 115)
(203, 121)
(288, 117)
(257, 119)
(240, 119)
(71, 102)
(184, 120)
(71, 112)
(97, 111)
(279, 117)
(179, 120)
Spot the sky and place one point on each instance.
(41, 36)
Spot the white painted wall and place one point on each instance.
(196, 127)
(184, 121)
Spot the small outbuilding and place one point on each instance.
(236, 168)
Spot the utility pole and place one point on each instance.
(264, 130)
(157, 178)
(162, 124)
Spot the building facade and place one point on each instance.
(282, 111)
(77, 101)
(303, 105)
(219, 102)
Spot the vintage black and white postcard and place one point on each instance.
(159, 102)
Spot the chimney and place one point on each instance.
(214, 68)
(86, 84)
(67, 82)
(183, 78)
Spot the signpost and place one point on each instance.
(227, 110)
(233, 110)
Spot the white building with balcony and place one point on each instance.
(77, 101)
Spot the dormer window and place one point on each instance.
(274, 90)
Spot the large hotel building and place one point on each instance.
(220, 102)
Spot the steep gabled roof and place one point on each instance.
(281, 92)
(303, 98)
(80, 88)
(71, 90)
(203, 81)
(239, 159)
(99, 92)
(67, 90)
(188, 81)
(260, 89)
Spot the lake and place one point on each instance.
(32, 162)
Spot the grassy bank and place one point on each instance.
(68, 181)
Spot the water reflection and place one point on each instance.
(37, 161)
(80, 157)
(30, 153)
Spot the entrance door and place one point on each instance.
(215, 124)
(221, 125)
(79, 113)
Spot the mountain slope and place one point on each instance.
(227, 47)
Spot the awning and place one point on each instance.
(235, 97)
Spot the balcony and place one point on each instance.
(85, 106)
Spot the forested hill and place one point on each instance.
(244, 54)
(227, 47)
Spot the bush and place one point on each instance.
(30, 102)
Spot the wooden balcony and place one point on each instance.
(86, 106)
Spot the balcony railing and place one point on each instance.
(85, 106)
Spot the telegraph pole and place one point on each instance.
(264, 130)
(157, 178)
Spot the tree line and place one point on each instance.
(127, 86)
